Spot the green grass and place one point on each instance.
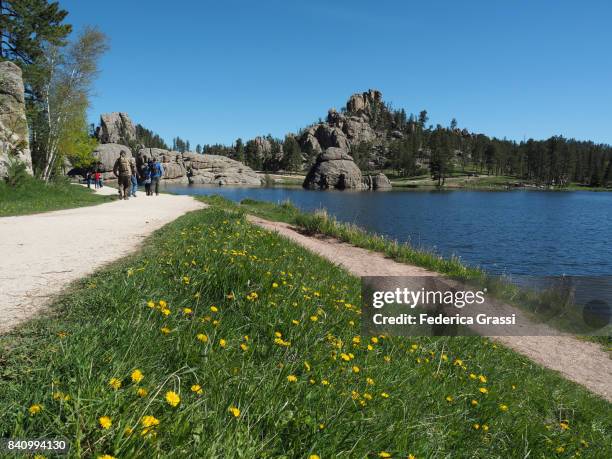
(34, 196)
(544, 306)
(409, 396)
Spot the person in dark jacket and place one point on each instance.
(123, 170)
(156, 174)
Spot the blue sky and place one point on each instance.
(213, 71)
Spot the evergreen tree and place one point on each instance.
(292, 155)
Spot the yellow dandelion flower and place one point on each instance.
(197, 389)
(370, 381)
(314, 456)
(35, 409)
(202, 337)
(473, 376)
(356, 339)
(474, 402)
(374, 339)
(384, 454)
(355, 369)
(564, 425)
(485, 427)
(274, 285)
(105, 456)
(214, 309)
(222, 343)
(411, 456)
(149, 422)
(483, 390)
(384, 395)
(476, 426)
(162, 304)
(444, 357)
(165, 330)
(187, 311)
(278, 334)
(345, 357)
(142, 392)
(503, 407)
(482, 379)
(165, 311)
(367, 396)
(560, 449)
(321, 426)
(150, 304)
(295, 322)
(235, 411)
(172, 398)
(136, 376)
(105, 422)
(449, 398)
(387, 358)
(128, 431)
(292, 378)
(325, 382)
(114, 383)
(244, 347)
(314, 318)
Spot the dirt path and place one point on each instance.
(582, 362)
(42, 253)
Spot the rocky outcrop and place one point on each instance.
(364, 102)
(106, 154)
(334, 169)
(377, 182)
(343, 130)
(219, 170)
(14, 137)
(116, 127)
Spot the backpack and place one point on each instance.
(124, 167)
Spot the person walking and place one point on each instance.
(123, 170)
(88, 178)
(147, 170)
(97, 179)
(156, 175)
(133, 179)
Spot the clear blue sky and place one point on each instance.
(214, 71)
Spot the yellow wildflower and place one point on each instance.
(503, 407)
(370, 381)
(162, 304)
(476, 426)
(105, 422)
(564, 425)
(137, 376)
(384, 395)
(35, 409)
(482, 379)
(214, 309)
(355, 369)
(150, 304)
(292, 378)
(314, 456)
(172, 398)
(114, 383)
(485, 427)
(222, 343)
(106, 456)
(235, 411)
(244, 347)
(202, 337)
(165, 330)
(142, 392)
(483, 390)
(474, 402)
(314, 318)
(274, 285)
(187, 311)
(197, 389)
(449, 398)
(149, 421)
(384, 454)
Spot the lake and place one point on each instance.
(515, 232)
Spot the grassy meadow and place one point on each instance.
(34, 196)
(220, 339)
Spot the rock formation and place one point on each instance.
(334, 169)
(116, 127)
(344, 130)
(219, 170)
(377, 182)
(14, 137)
(106, 154)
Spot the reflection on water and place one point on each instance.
(516, 232)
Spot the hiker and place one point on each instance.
(147, 171)
(156, 174)
(88, 178)
(123, 170)
(97, 179)
(133, 179)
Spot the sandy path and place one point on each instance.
(582, 362)
(41, 254)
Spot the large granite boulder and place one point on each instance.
(14, 137)
(334, 169)
(377, 182)
(107, 153)
(116, 127)
(218, 170)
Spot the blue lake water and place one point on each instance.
(516, 232)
